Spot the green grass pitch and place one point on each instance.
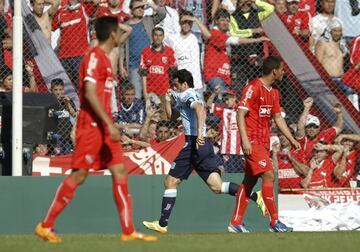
(224, 242)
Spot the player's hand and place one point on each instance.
(200, 141)
(296, 145)
(247, 149)
(308, 102)
(257, 30)
(168, 94)
(339, 139)
(114, 132)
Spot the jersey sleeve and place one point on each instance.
(249, 97)
(56, 21)
(91, 68)
(171, 58)
(190, 99)
(143, 57)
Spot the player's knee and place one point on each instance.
(216, 188)
(171, 183)
(268, 176)
(79, 176)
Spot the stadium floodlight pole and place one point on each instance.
(17, 95)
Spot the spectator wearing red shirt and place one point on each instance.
(72, 20)
(217, 72)
(297, 22)
(156, 63)
(259, 102)
(352, 76)
(345, 169)
(288, 163)
(308, 6)
(322, 165)
(308, 128)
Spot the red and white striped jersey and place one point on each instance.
(229, 132)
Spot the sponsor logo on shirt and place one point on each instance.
(265, 110)
(157, 70)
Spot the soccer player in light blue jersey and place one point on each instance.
(197, 153)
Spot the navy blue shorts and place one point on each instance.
(202, 160)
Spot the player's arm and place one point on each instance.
(240, 119)
(265, 9)
(54, 7)
(168, 108)
(300, 133)
(150, 111)
(210, 100)
(200, 116)
(351, 137)
(280, 122)
(93, 100)
(126, 31)
(274, 155)
(215, 6)
(339, 123)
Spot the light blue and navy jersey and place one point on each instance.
(184, 103)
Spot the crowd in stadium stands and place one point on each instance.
(222, 43)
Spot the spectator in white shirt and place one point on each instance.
(186, 47)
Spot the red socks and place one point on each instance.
(63, 196)
(124, 205)
(242, 200)
(269, 200)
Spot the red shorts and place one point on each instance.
(95, 150)
(258, 162)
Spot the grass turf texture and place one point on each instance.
(224, 242)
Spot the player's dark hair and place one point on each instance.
(184, 75)
(271, 63)
(104, 26)
(221, 13)
(32, 2)
(57, 82)
(157, 29)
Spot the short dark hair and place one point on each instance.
(157, 29)
(32, 2)
(57, 82)
(132, 3)
(104, 26)
(271, 63)
(221, 13)
(184, 75)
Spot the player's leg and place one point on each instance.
(242, 200)
(267, 189)
(63, 196)
(123, 203)
(168, 202)
(122, 197)
(180, 170)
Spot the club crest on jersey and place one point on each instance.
(164, 59)
(89, 159)
(262, 163)
(265, 110)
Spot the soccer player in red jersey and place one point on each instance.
(259, 102)
(97, 138)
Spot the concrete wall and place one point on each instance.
(25, 200)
